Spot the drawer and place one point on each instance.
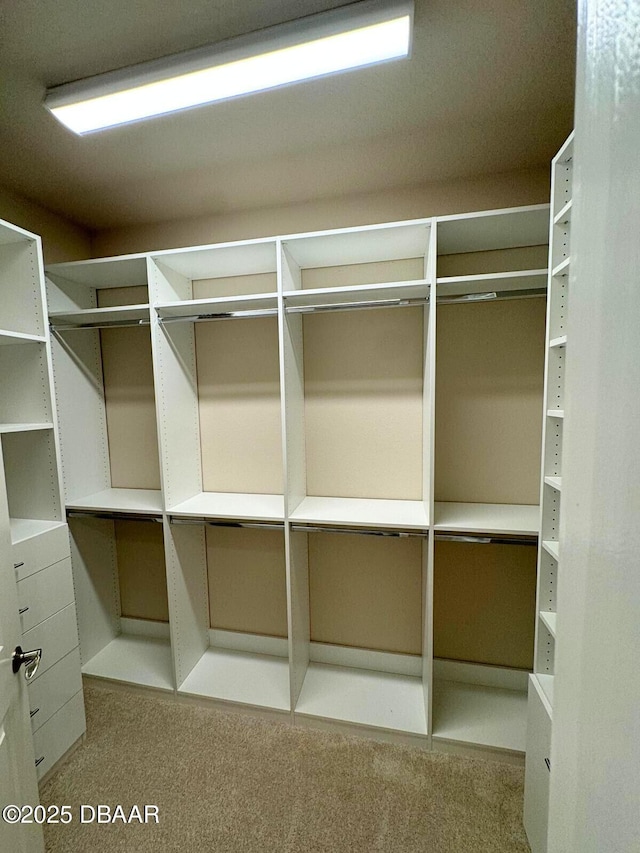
(37, 552)
(56, 636)
(58, 734)
(44, 593)
(537, 769)
(51, 690)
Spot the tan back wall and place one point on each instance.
(141, 570)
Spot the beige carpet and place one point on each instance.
(231, 783)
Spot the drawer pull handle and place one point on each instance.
(22, 610)
(34, 712)
(39, 760)
(18, 565)
(548, 763)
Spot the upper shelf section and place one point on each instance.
(227, 270)
(21, 309)
(362, 512)
(95, 286)
(137, 501)
(94, 317)
(223, 306)
(493, 229)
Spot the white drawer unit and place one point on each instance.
(53, 689)
(56, 636)
(39, 551)
(58, 734)
(537, 768)
(44, 593)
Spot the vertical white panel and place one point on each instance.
(21, 307)
(595, 751)
(188, 595)
(166, 285)
(95, 580)
(32, 475)
(299, 628)
(77, 368)
(25, 395)
(65, 295)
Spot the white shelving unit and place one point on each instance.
(30, 477)
(296, 439)
(550, 554)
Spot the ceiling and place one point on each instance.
(488, 88)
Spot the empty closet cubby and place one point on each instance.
(357, 381)
(99, 313)
(360, 628)
(21, 311)
(229, 583)
(218, 363)
(121, 594)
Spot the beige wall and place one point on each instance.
(62, 240)
(480, 193)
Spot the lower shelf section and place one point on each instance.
(379, 699)
(258, 680)
(145, 661)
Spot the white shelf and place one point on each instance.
(558, 342)
(549, 619)
(554, 482)
(26, 528)
(503, 281)
(546, 683)
(122, 271)
(493, 229)
(555, 413)
(119, 313)
(564, 215)
(140, 501)
(379, 699)
(232, 676)
(361, 293)
(552, 548)
(145, 661)
(504, 519)
(24, 427)
(8, 338)
(218, 305)
(480, 715)
(362, 512)
(562, 268)
(233, 505)
(246, 257)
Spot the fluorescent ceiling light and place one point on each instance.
(348, 37)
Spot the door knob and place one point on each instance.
(31, 661)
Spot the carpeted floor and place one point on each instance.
(229, 783)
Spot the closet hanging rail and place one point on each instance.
(528, 293)
(223, 315)
(112, 516)
(485, 540)
(250, 525)
(361, 531)
(352, 306)
(106, 324)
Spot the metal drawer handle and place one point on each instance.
(18, 565)
(22, 610)
(34, 712)
(548, 763)
(39, 760)
(31, 661)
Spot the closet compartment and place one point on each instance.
(121, 593)
(21, 311)
(229, 583)
(359, 629)
(102, 360)
(31, 479)
(25, 397)
(357, 382)
(484, 601)
(219, 381)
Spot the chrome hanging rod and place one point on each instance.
(106, 324)
(493, 295)
(223, 315)
(112, 516)
(486, 540)
(352, 306)
(250, 525)
(361, 531)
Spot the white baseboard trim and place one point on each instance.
(145, 628)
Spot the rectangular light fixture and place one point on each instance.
(348, 37)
